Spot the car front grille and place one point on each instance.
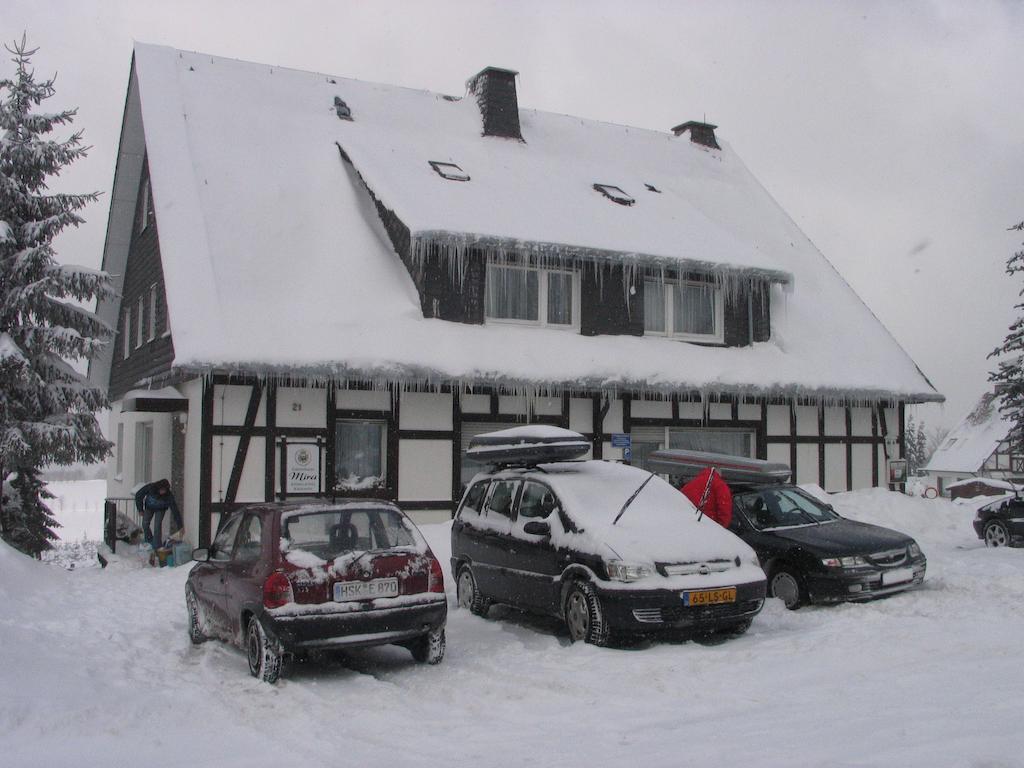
(696, 567)
(679, 613)
(889, 558)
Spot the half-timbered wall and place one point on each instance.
(247, 424)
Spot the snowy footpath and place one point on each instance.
(96, 669)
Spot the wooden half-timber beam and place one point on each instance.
(243, 444)
(206, 464)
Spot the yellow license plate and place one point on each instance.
(709, 596)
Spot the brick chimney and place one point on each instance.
(495, 91)
(700, 133)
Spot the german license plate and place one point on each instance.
(897, 576)
(365, 590)
(693, 597)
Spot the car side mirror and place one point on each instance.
(537, 528)
(201, 555)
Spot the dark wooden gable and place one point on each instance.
(608, 306)
(143, 270)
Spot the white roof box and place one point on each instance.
(734, 469)
(527, 446)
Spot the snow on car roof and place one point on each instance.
(246, 175)
(660, 524)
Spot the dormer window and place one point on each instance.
(449, 171)
(614, 194)
(530, 295)
(688, 310)
(341, 109)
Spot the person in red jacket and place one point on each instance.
(711, 496)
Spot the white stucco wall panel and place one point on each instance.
(424, 470)
(547, 406)
(860, 421)
(581, 414)
(807, 420)
(720, 411)
(475, 403)
(360, 399)
(301, 407)
(651, 409)
(613, 419)
(807, 464)
(778, 419)
(231, 403)
(835, 468)
(426, 410)
(861, 466)
(835, 420)
(749, 412)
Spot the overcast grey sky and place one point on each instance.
(893, 133)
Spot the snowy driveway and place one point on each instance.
(96, 668)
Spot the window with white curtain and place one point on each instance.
(360, 454)
(683, 309)
(531, 295)
(126, 334)
(152, 312)
(143, 452)
(139, 323)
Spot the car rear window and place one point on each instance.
(331, 533)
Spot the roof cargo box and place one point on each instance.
(527, 446)
(734, 469)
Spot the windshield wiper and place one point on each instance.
(630, 499)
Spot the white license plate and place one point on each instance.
(897, 576)
(365, 590)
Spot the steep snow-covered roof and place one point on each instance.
(973, 440)
(275, 259)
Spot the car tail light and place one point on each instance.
(277, 590)
(436, 581)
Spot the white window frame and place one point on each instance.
(542, 296)
(669, 285)
(144, 222)
(127, 332)
(139, 334)
(118, 472)
(143, 452)
(152, 312)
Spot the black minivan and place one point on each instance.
(609, 548)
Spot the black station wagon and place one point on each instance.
(1001, 523)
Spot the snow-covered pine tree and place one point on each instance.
(917, 452)
(47, 408)
(1009, 375)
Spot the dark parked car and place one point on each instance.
(810, 553)
(607, 547)
(1001, 523)
(284, 579)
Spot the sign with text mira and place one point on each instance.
(302, 468)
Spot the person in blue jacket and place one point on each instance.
(153, 500)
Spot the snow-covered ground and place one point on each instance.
(96, 668)
(78, 507)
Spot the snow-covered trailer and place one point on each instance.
(344, 282)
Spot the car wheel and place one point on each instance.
(195, 618)
(785, 585)
(429, 649)
(996, 534)
(265, 655)
(583, 615)
(469, 596)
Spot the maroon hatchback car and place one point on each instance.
(280, 580)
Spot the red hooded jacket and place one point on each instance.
(718, 505)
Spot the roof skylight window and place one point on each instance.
(449, 171)
(614, 194)
(342, 109)
(652, 188)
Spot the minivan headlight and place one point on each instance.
(621, 571)
(844, 562)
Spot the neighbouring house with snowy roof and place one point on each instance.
(329, 286)
(978, 447)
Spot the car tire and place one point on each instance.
(786, 585)
(429, 649)
(468, 595)
(583, 615)
(738, 629)
(996, 534)
(195, 618)
(264, 654)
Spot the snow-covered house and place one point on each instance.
(978, 447)
(329, 286)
